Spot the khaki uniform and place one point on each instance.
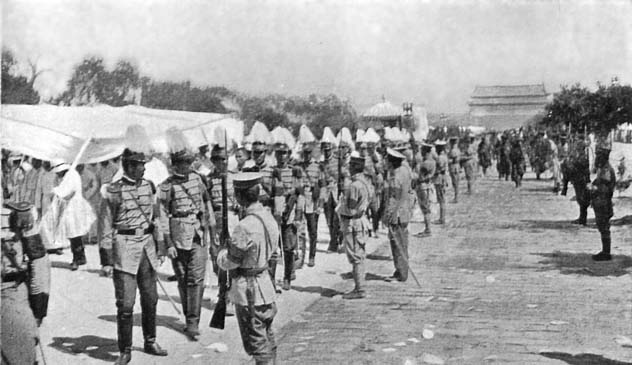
(252, 246)
(397, 215)
(454, 167)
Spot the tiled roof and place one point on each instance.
(496, 91)
(511, 100)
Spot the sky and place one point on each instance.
(432, 53)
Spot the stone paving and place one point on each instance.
(508, 280)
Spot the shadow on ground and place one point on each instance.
(625, 220)
(582, 359)
(324, 292)
(96, 347)
(163, 321)
(554, 224)
(582, 263)
(60, 265)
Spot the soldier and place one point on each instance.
(425, 172)
(311, 190)
(579, 176)
(352, 210)
(218, 160)
(138, 250)
(454, 165)
(484, 154)
(105, 174)
(185, 201)
(374, 162)
(241, 156)
(601, 191)
(398, 211)
(564, 164)
(555, 164)
(285, 190)
(468, 161)
(516, 156)
(252, 246)
(329, 168)
(440, 179)
(25, 283)
(503, 164)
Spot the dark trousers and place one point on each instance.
(398, 238)
(78, 252)
(19, 329)
(125, 285)
(105, 256)
(256, 331)
(333, 222)
(190, 269)
(312, 232)
(602, 218)
(583, 200)
(288, 236)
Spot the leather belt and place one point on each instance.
(349, 217)
(182, 214)
(135, 232)
(247, 272)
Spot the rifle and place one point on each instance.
(219, 313)
(340, 177)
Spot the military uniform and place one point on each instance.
(311, 190)
(331, 179)
(425, 171)
(440, 180)
(601, 193)
(25, 283)
(105, 174)
(215, 189)
(579, 176)
(355, 225)
(468, 161)
(252, 246)
(397, 215)
(516, 156)
(185, 201)
(134, 215)
(454, 166)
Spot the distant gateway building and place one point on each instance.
(506, 106)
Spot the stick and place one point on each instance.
(168, 297)
(41, 347)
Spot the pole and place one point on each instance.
(412, 273)
(173, 303)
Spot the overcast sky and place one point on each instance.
(432, 53)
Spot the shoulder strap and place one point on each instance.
(140, 209)
(265, 229)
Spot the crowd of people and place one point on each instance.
(278, 192)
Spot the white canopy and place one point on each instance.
(48, 132)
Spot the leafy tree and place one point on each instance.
(118, 84)
(17, 89)
(88, 83)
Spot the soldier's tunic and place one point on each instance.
(397, 215)
(215, 189)
(331, 177)
(352, 210)
(105, 174)
(579, 176)
(185, 201)
(135, 218)
(426, 171)
(516, 156)
(25, 284)
(604, 184)
(285, 196)
(454, 165)
(252, 245)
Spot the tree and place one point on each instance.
(17, 89)
(86, 85)
(119, 84)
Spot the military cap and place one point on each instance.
(393, 153)
(440, 143)
(281, 147)
(129, 155)
(218, 151)
(60, 167)
(258, 146)
(14, 156)
(182, 156)
(246, 180)
(453, 139)
(425, 146)
(356, 159)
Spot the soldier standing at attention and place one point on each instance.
(440, 180)
(579, 176)
(454, 156)
(286, 189)
(329, 167)
(426, 171)
(313, 178)
(25, 283)
(398, 211)
(185, 201)
(601, 191)
(253, 244)
(138, 249)
(354, 224)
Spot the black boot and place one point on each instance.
(124, 326)
(78, 252)
(604, 255)
(288, 261)
(194, 308)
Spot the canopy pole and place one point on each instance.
(82, 150)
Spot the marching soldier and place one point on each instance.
(601, 191)
(138, 249)
(440, 180)
(253, 245)
(398, 211)
(185, 201)
(25, 283)
(516, 156)
(425, 172)
(454, 164)
(355, 225)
